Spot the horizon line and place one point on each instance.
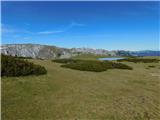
(1, 44)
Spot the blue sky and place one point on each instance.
(107, 25)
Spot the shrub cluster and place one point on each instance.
(91, 65)
(86, 66)
(151, 66)
(140, 60)
(23, 57)
(12, 66)
(122, 66)
(65, 60)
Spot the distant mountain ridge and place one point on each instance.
(146, 53)
(51, 52)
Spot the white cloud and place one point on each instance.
(50, 32)
(73, 24)
(77, 24)
(5, 29)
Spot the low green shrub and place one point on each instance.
(23, 57)
(140, 60)
(122, 66)
(151, 66)
(91, 65)
(147, 68)
(86, 66)
(65, 61)
(12, 66)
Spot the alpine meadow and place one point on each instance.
(80, 60)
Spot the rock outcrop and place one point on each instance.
(52, 52)
(35, 51)
(47, 52)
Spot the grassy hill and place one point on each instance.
(68, 94)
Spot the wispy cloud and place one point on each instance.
(77, 24)
(7, 29)
(65, 29)
(50, 32)
(73, 24)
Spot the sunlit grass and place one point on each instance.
(71, 94)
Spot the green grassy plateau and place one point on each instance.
(68, 94)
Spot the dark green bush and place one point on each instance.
(122, 66)
(65, 61)
(139, 60)
(86, 66)
(12, 66)
(91, 65)
(151, 66)
(23, 57)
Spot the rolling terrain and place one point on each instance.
(68, 94)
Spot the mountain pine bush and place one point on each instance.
(12, 66)
(140, 60)
(91, 65)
